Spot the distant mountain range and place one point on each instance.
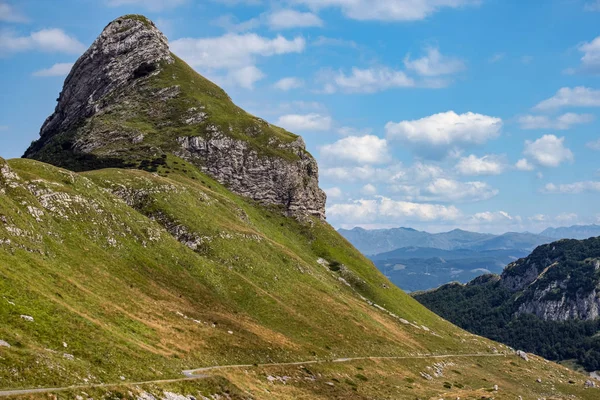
(378, 241)
(416, 260)
(573, 232)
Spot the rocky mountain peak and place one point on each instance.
(128, 47)
(129, 102)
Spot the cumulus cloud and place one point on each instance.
(368, 149)
(449, 190)
(486, 165)
(9, 14)
(579, 96)
(395, 174)
(561, 122)
(369, 80)
(233, 50)
(590, 62)
(333, 192)
(491, 217)
(275, 20)
(441, 132)
(434, 64)
(46, 40)
(152, 5)
(305, 122)
(524, 165)
(572, 188)
(369, 190)
(287, 19)
(387, 10)
(288, 83)
(235, 53)
(60, 69)
(361, 173)
(246, 77)
(364, 211)
(548, 151)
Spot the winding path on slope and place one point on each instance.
(200, 373)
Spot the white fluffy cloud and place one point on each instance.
(47, 40)
(395, 174)
(288, 83)
(388, 10)
(590, 62)
(369, 190)
(287, 19)
(524, 165)
(449, 190)
(486, 165)
(235, 53)
(305, 122)
(233, 50)
(9, 14)
(60, 69)
(359, 173)
(246, 77)
(548, 151)
(363, 211)
(443, 131)
(368, 149)
(333, 192)
(579, 96)
(369, 80)
(573, 188)
(434, 64)
(487, 217)
(561, 122)
(152, 5)
(275, 20)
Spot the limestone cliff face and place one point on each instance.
(559, 281)
(128, 100)
(269, 180)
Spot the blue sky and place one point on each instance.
(433, 114)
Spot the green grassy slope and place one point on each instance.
(94, 259)
(128, 299)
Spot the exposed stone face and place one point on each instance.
(128, 48)
(268, 180)
(583, 306)
(514, 283)
(111, 103)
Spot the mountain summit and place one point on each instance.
(129, 102)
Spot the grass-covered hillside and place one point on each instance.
(121, 276)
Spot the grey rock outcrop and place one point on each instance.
(266, 179)
(129, 101)
(129, 47)
(584, 306)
